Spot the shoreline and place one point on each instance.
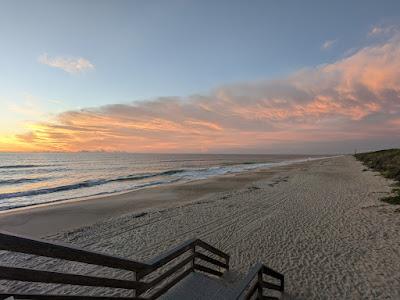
(260, 167)
(50, 218)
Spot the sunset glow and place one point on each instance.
(354, 98)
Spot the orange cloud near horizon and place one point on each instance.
(355, 98)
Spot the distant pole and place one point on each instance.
(355, 151)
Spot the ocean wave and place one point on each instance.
(22, 180)
(156, 178)
(182, 174)
(191, 160)
(12, 205)
(172, 172)
(22, 166)
(147, 175)
(86, 184)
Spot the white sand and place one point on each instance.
(321, 224)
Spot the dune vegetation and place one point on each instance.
(387, 162)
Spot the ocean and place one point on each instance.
(28, 179)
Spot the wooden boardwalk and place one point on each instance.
(172, 272)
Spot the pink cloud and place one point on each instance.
(355, 98)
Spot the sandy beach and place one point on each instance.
(320, 223)
(42, 220)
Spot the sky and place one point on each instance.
(199, 76)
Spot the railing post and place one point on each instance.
(194, 256)
(259, 282)
(134, 292)
(138, 276)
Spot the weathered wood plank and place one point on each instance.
(27, 245)
(65, 297)
(211, 260)
(268, 271)
(255, 273)
(171, 271)
(252, 290)
(166, 257)
(23, 274)
(245, 282)
(22, 244)
(271, 286)
(170, 284)
(212, 249)
(207, 270)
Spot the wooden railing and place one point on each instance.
(161, 275)
(254, 283)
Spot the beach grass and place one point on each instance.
(387, 162)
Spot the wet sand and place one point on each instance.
(51, 218)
